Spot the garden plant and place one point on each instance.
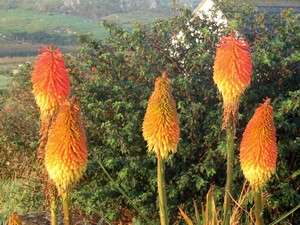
(249, 64)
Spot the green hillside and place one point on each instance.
(33, 22)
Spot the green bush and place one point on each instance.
(18, 127)
(114, 80)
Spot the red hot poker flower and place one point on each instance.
(232, 73)
(51, 84)
(66, 151)
(15, 219)
(161, 123)
(258, 150)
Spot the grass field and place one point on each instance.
(13, 194)
(19, 27)
(32, 22)
(9, 65)
(25, 24)
(4, 80)
(10, 198)
(24, 21)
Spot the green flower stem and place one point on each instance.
(68, 220)
(285, 215)
(230, 134)
(258, 208)
(163, 211)
(53, 209)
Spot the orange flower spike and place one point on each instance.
(66, 151)
(232, 72)
(51, 84)
(15, 219)
(258, 150)
(161, 123)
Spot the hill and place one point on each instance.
(27, 23)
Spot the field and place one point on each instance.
(9, 66)
(4, 80)
(22, 32)
(52, 22)
(18, 23)
(24, 25)
(13, 192)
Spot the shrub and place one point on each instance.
(18, 128)
(114, 80)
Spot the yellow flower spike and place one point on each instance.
(161, 123)
(258, 150)
(232, 73)
(66, 151)
(51, 84)
(15, 219)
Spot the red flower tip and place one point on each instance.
(51, 84)
(232, 73)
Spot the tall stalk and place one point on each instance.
(51, 190)
(53, 210)
(258, 208)
(68, 220)
(163, 208)
(230, 134)
(161, 131)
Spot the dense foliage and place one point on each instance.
(114, 79)
(18, 128)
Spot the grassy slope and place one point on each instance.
(25, 24)
(4, 80)
(32, 17)
(13, 194)
(8, 65)
(24, 20)
(20, 20)
(17, 22)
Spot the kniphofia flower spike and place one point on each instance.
(51, 84)
(66, 151)
(232, 73)
(258, 150)
(15, 219)
(161, 123)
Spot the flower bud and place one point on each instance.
(15, 219)
(51, 84)
(258, 150)
(161, 123)
(66, 151)
(232, 73)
